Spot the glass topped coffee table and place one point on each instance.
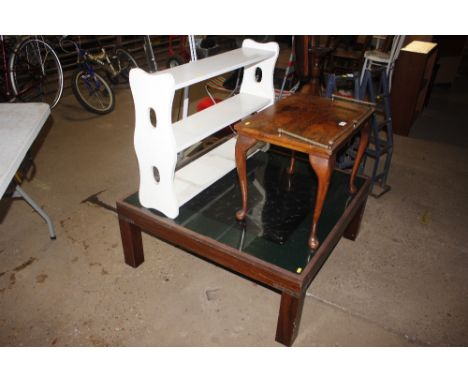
(268, 245)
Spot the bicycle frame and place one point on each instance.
(104, 61)
(87, 65)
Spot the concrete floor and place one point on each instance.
(402, 283)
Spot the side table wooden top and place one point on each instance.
(323, 124)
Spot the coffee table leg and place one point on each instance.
(361, 150)
(352, 229)
(323, 167)
(131, 242)
(243, 144)
(289, 318)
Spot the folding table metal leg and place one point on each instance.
(19, 192)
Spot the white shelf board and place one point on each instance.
(204, 171)
(198, 175)
(201, 70)
(206, 122)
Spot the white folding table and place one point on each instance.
(20, 123)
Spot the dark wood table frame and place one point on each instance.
(133, 220)
(306, 124)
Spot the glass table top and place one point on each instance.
(279, 217)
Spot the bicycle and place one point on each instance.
(31, 71)
(91, 89)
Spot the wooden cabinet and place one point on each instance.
(411, 83)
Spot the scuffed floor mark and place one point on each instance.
(41, 185)
(96, 341)
(425, 217)
(211, 294)
(93, 199)
(25, 264)
(41, 278)
(20, 267)
(166, 277)
(103, 270)
(64, 224)
(12, 282)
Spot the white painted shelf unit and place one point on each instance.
(158, 141)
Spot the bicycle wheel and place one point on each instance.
(93, 92)
(35, 72)
(126, 62)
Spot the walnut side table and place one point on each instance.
(316, 126)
